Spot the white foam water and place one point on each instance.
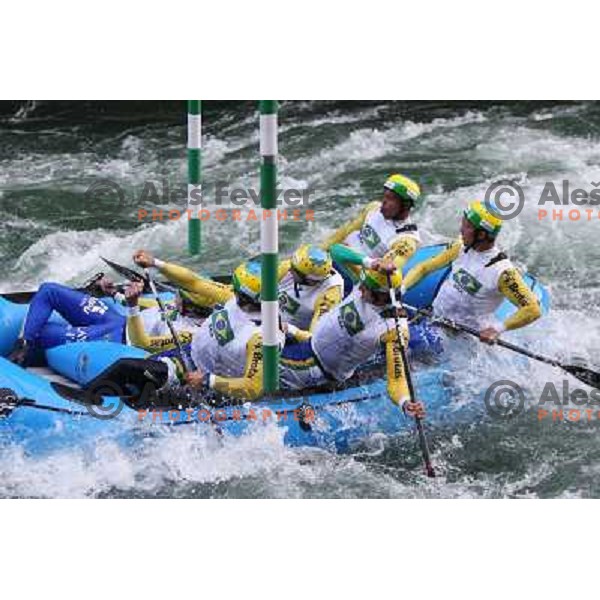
(456, 159)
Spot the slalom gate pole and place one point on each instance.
(194, 154)
(269, 243)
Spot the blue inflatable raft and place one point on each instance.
(48, 408)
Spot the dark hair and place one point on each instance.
(245, 300)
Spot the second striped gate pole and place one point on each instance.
(269, 243)
(194, 151)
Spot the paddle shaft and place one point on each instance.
(33, 404)
(584, 374)
(450, 324)
(161, 307)
(421, 432)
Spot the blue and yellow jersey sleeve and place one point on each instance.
(283, 268)
(401, 251)
(201, 290)
(138, 336)
(441, 260)
(397, 384)
(328, 300)
(345, 230)
(512, 286)
(250, 385)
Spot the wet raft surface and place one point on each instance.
(342, 151)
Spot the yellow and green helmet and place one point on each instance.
(484, 218)
(379, 282)
(405, 188)
(311, 262)
(246, 280)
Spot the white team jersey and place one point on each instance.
(470, 293)
(378, 235)
(297, 302)
(220, 345)
(349, 335)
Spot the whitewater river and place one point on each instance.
(52, 230)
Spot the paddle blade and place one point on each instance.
(126, 272)
(132, 275)
(591, 378)
(425, 450)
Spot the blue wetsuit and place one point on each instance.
(87, 318)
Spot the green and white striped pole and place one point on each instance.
(194, 152)
(269, 244)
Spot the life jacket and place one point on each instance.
(220, 345)
(297, 302)
(349, 335)
(378, 234)
(470, 294)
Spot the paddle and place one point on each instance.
(184, 359)
(422, 437)
(132, 275)
(584, 374)
(9, 403)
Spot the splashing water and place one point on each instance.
(341, 153)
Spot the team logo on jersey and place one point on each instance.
(92, 305)
(288, 304)
(76, 334)
(466, 282)
(370, 237)
(170, 313)
(350, 320)
(221, 328)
